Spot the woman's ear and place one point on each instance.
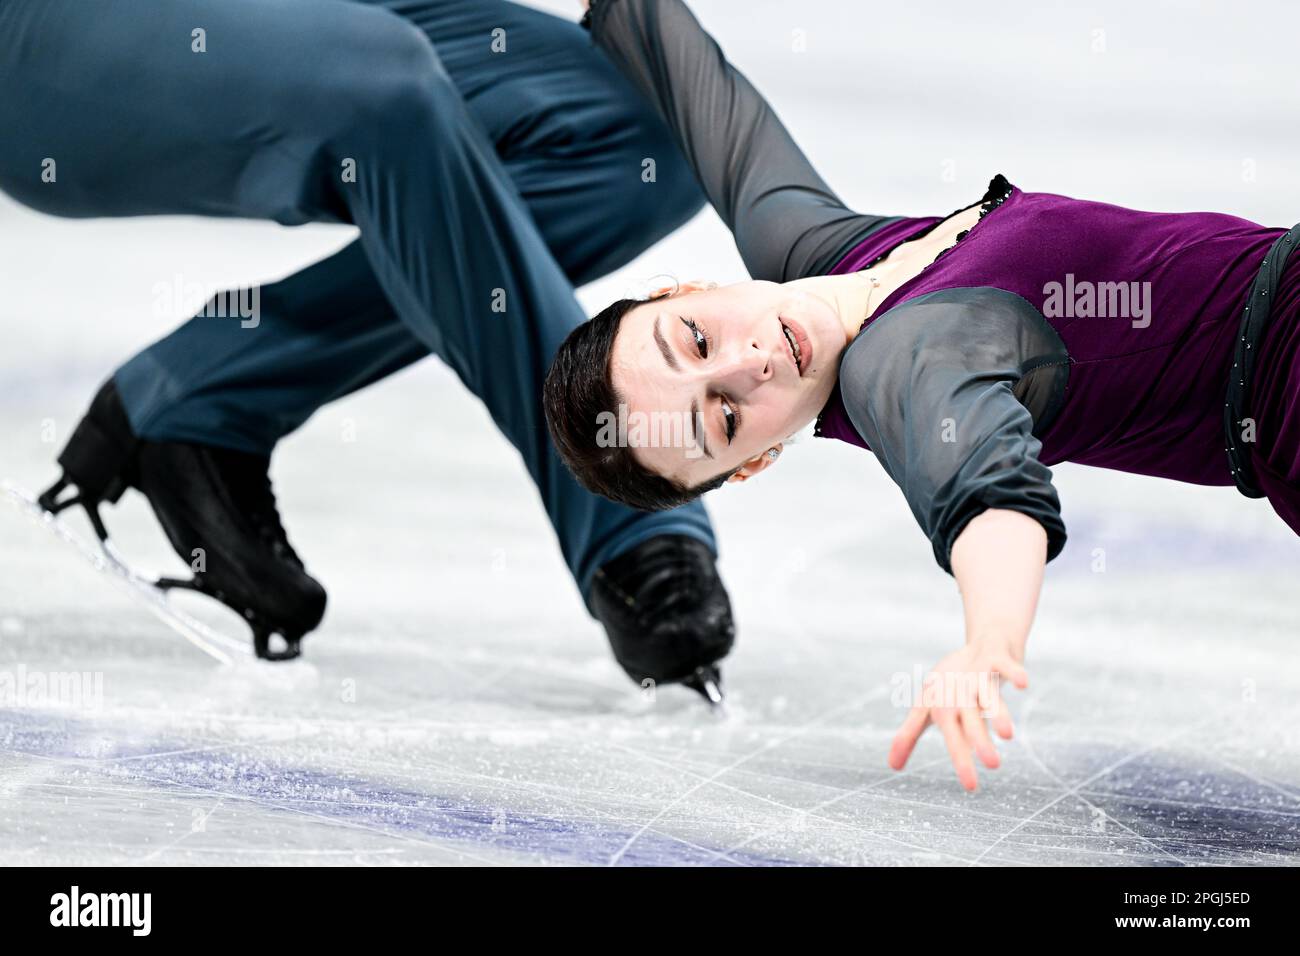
(752, 467)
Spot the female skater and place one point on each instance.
(968, 352)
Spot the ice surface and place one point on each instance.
(458, 706)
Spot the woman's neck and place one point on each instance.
(852, 295)
(856, 296)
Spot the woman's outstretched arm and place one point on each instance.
(998, 561)
(787, 222)
(935, 389)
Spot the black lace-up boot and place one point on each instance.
(217, 509)
(666, 612)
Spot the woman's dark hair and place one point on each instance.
(578, 394)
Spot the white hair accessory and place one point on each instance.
(642, 290)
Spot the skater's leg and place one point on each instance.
(569, 140)
(462, 262)
(209, 107)
(572, 134)
(464, 228)
(321, 333)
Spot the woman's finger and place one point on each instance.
(988, 691)
(1011, 669)
(908, 734)
(973, 724)
(1002, 720)
(958, 748)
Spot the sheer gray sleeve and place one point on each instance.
(948, 390)
(786, 221)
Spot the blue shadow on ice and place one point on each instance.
(353, 801)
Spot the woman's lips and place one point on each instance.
(805, 345)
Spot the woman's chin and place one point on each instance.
(828, 343)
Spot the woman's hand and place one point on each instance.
(998, 562)
(962, 691)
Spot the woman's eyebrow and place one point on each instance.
(664, 348)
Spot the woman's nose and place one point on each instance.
(746, 368)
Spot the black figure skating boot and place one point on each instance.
(666, 613)
(217, 509)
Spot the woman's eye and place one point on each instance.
(728, 420)
(701, 340)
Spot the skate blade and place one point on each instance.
(106, 559)
(707, 682)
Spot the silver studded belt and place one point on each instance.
(1254, 322)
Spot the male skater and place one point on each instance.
(462, 137)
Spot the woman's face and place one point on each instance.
(738, 368)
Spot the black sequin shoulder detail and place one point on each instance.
(998, 192)
(999, 189)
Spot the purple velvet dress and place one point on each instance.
(1145, 391)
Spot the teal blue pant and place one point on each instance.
(489, 155)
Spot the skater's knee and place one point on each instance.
(375, 77)
(396, 79)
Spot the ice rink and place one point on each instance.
(458, 705)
